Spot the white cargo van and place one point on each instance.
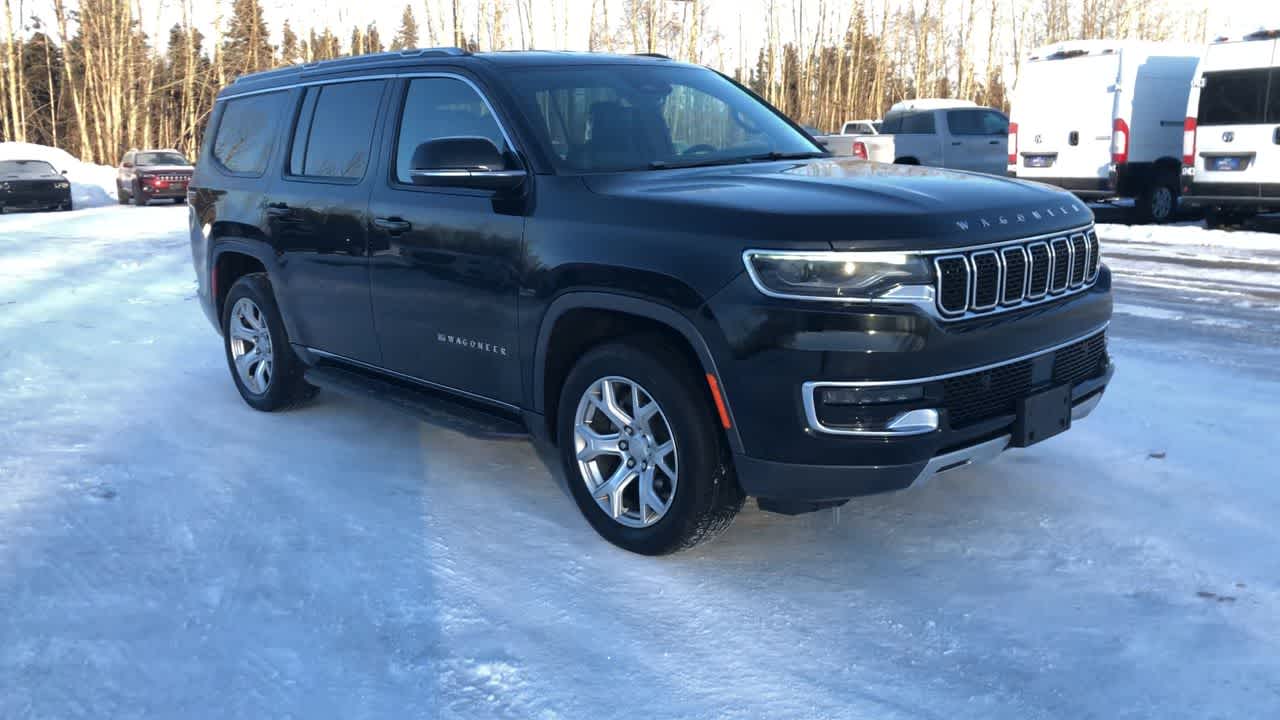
(1103, 119)
(1231, 145)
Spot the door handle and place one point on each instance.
(279, 210)
(993, 142)
(392, 225)
(955, 142)
(1275, 137)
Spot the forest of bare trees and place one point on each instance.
(84, 75)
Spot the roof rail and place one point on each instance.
(659, 56)
(357, 61)
(1263, 35)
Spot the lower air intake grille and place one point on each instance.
(988, 394)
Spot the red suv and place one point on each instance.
(146, 175)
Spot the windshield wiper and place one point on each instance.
(740, 160)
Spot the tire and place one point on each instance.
(137, 197)
(702, 498)
(122, 197)
(1217, 219)
(179, 201)
(1157, 204)
(282, 386)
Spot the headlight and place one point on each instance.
(834, 275)
(4, 187)
(62, 185)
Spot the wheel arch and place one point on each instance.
(233, 257)
(577, 321)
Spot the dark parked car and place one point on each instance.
(639, 263)
(146, 175)
(32, 185)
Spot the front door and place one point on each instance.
(316, 212)
(445, 261)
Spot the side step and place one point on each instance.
(428, 405)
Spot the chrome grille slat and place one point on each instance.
(1007, 276)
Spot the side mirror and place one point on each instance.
(126, 165)
(470, 162)
(64, 172)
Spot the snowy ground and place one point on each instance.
(165, 552)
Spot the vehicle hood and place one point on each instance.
(853, 203)
(166, 168)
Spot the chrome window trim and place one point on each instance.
(968, 284)
(1026, 274)
(385, 76)
(1048, 277)
(973, 270)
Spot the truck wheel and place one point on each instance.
(122, 197)
(641, 451)
(266, 371)
(1216, 219)
(137, 197)
(1157, 204)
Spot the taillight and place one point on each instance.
(1013, 144)
(1119, 142)
(860, 149)
(1189, 142)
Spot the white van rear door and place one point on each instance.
(1234, 142)
(1064, 112)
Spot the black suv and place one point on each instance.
(639, 263)
(146, 175)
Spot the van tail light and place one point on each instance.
(1013, 144)
(1120, 142)
(860, 149)
(1189, 142)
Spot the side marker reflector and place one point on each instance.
(719, 400)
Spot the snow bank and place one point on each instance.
(91, 185)
(1189, 234)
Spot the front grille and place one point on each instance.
(1019, 273)
(986, 394)
(169, 178)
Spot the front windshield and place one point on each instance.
(608, 118)
(27, 168)
(161, 158)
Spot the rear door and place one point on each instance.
(316, 214)
(978, 140)
(1235, 144)
(917, 138)
(445, 263)
(1064, 109)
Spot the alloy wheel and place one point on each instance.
(626, 451)
(250, 339)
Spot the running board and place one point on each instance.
(428, 405)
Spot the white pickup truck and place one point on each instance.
(955, 134)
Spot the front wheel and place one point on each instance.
(644, 458)
(263, 365)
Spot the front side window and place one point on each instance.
(441, 107)
(335, 130)
(246, 132)
(977, 122)
(1233, 97)
(608, 118)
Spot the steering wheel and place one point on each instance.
(699, 150)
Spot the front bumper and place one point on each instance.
(770, 352)
(825, 483)
(34, 199)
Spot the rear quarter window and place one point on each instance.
(247, 131)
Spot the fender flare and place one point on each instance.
(577, 300)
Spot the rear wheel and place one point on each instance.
(263, 365)
(643, 457)
(1157, 204)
